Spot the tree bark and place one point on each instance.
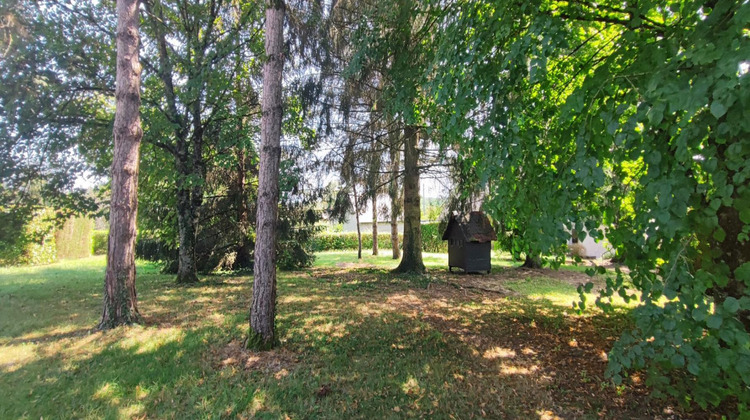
(263, 310)
(356, 217)
(374, 224)
(532, 262)
(120, 298)
(243, 258)
(186, 269)
(411, 261)
(393, 192)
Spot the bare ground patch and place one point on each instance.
(278, 362)
(494, 282)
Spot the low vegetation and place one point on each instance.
(357, 341)
(432, 240)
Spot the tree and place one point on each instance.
(573, 96)
(55, 97)
(392, 39)
(120, 299)
(190, 100)
(263, 311)
(411, 260)
(373, 186)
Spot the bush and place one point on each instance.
(99, 240)
(73, 239)
(326, 241)
(431, 240)
(35, 244)
(151, 249)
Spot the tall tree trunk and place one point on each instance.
(374, 224)
(263, 310)
(120, 298)
(356, 217)
(187, 271)
(393, 192)
(243, 258)
(411, 261)
(373, 181)
(243, 255)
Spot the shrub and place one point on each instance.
(99, 240)
(35, 244)
(325, 241)
(151, 249)
(432, 238)
(73, 239)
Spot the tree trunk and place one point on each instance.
(356, 217)
(411, 261)
(243, 255)
(374, 224)
(532, 262)
(243, 258)
(393, 192)
(373, 180)
(263, 310)
(187, 271)
(120, 298)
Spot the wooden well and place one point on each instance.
(470, 239)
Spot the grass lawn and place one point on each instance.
(357, 342)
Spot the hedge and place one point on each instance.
(73, 239)
(324, 241)
(35, 244)
(99, 241)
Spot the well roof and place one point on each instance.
(471, 227)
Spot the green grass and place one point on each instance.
(357, 342)
(385, 260)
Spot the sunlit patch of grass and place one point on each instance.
(554, 291)
(108, 392)
(499, 353)
(511, 369)
(15, 356)
(385, 260)
(144, 340)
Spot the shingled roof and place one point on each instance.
(472, 227)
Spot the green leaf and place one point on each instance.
(745, 216)
(742, 273)
(678, 360)
(720, 234)
(694, 368)
(698, 314)
(718, 109)
(714, 321)
(731, 305)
